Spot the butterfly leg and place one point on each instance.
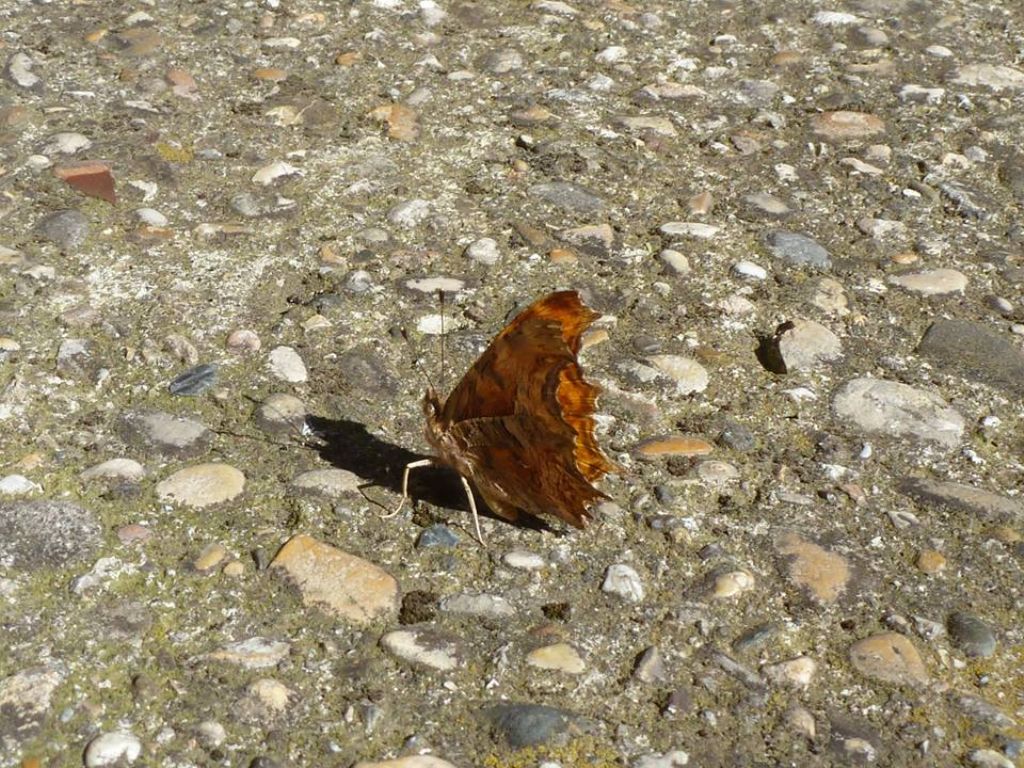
(472, 507)
(405, 485)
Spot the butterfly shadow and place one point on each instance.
(349, 445)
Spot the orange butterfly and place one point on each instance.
(520, 424)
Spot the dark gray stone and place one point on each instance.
(972, 635)
(975, 351)
(67, 228)
(969, 203)
(43, 533)
(437, 535)
(797, 249)
(527, 725)
(194, 381)
(571, 197)
(983, 504)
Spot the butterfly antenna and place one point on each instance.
(417, 363)
(440, 296)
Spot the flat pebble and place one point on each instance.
(18, 485)
(211, 733)
(892, 408)
(750, 269)
(977, 502)
(674, 445)
(437, 535)
(796, 673)
(559, 657)
(934, 282)
(413, 761)
(822, 574)
(67, 143)
(674, 261)
(694, 229)
(689, 375)
(930, 561)
(845, 125)
(971, 634)
(281, 413)
(194, 381)
(166, 434)
(423, 646)
(731, 584)
(989, 758)
(673, 759)
(127, 470)
(410, 213)
(431, 285)
(998, 77)
(482, 605)
(623, 581)
(202, 485)
(152, 217)
(524, 560)
(333, 483)
(67, 229)
(976, 351)
(42, 533)
(568, 196)
(211, 557)
(113, 748)
(254, 653)
(889, 657)
(717, 473)
(285, 364)
(798, 249)
(340, 584)
(527, 725)
(273, 171)
(243, 340)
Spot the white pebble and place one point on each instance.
(17, 485)
(273, 171)
(285, 364)
(622, 580)
(523, 560)
(113, 749)
(750, 269)
(484, 251)
(151, 216)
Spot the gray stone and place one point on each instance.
(570, 197)
(44, 533)
(166, 434)
(25, 698)
(527, 725)
(976, 351)
(67, 229)
(798, 249)
(971, 634)
(898, 410)
(985, 505)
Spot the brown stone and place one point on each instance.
(821, 573)
(674, 445)
(889, 657)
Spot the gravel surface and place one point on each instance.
(225, 227)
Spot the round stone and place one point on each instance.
(202, 485)
(688, 375)
(115, 748)
(845, 125)
(484, 251)
(128, 470)
(211, 556)
(732, 584)
(805, 344)
(900, 410)
(423, 646)
(930, 561)
(796, 673)
(889, 658)
(243, 340)
(750, 269)
(280, 413)
(523, 560)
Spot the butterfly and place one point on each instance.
(519, 425)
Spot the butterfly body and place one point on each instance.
(519, 425)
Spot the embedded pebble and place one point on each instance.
(431, 285)
(202, 485)
(796, 673)
(285, 364)
(281, 413)
(18, 485)
(194, 381)
(211, 556)
(674, 759)
(731, 583)
(524, 560)
(271, 172)
(332, 483)
(822, 574)
(243, 340)
(423, 646)
(560, 657)
(340, 584)
(845, 125)
(935, 282)
(437, 535)
(482, 605)
(623, 581)
(892, 408)
(484, 251)
(128, 470)
(971, 634)
(568, 196)
(976, 351)
(889, 657)
(253, 653)
(527, 725)
(798, 249)
(675, 261)
(688, 375)
(166, 434)
(67, 229)
(998, 77)
(805, 344)
(67, 143)
(211, 733)
(717, 473)
(113, 748)
(750, 269)
(674, 445)
(412, 761)
(43, 533)
(410, 213)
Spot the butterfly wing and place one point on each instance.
(523, 415)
